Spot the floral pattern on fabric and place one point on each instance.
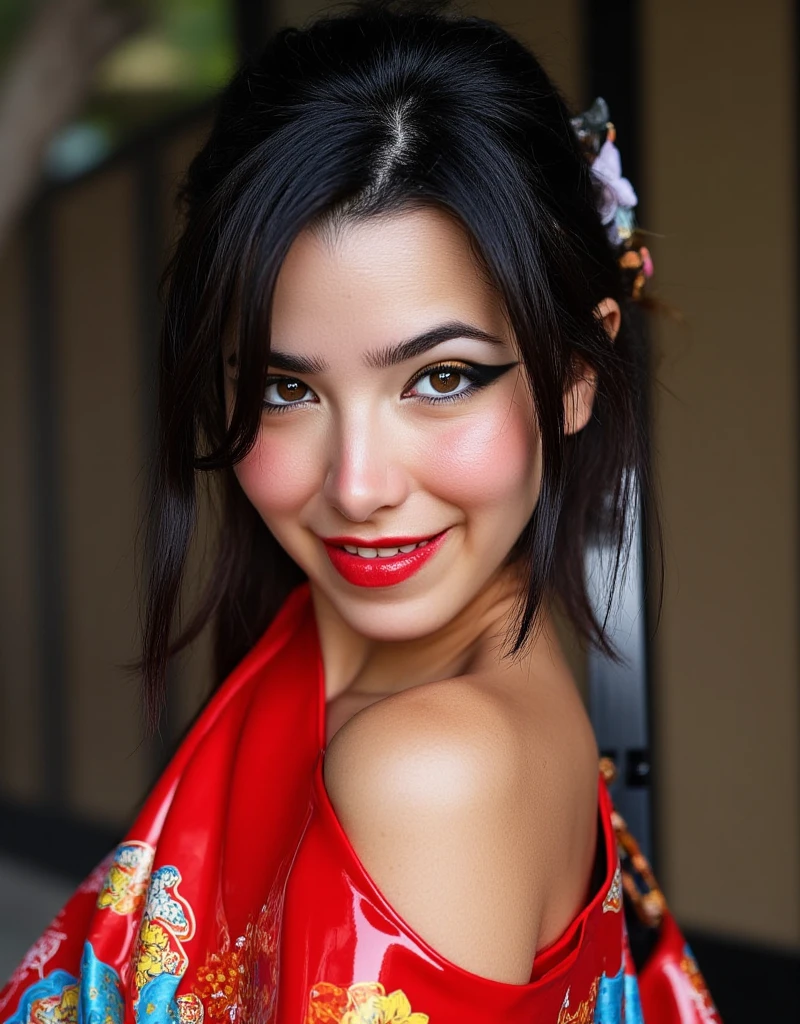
(240, 983)
(95, 881)
(583, 1012)
(55, 996)
(363, 1003)
(42, 951)
(220, 983)
(100, 998)
(610, 1000)
(163, 902)
(160, 961)
(158, 953)
(193, 941)
(701, 997)
(51, 1000)
(190, 1009)
(613, 901)
(125, 885)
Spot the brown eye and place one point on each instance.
(290, 390)
(285, 391)
(447, 382)
(444, 381)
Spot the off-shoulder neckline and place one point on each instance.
(553, 960)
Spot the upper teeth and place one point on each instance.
(383, 552)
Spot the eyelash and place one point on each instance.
(479, 375)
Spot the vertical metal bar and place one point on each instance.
(619, 695)
(613, 61)
(796, 179)
(47, 504)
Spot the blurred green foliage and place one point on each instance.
(183, 54)
(14, 15)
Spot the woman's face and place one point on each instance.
(397, 414)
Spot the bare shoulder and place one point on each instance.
(463, 807)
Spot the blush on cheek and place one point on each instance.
(277, 475)
(485, 460)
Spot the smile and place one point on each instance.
(384, 562)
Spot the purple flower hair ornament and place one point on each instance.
(616, 196)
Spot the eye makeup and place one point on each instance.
(286, 392)
(478, 376)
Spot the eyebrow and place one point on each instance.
(394, 354)
(427, 340)
(297, 364)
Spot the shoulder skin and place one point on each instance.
(464, 814)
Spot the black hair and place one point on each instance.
(380, 107)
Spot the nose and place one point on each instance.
(366, 471)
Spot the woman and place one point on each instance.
(398, 335)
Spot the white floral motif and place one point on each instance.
(613, 900)
(43, 950)
(161, 904)
(37, 957)
(94, 881)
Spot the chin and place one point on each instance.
(388, 615)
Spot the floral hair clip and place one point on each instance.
(616, 197)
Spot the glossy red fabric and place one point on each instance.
(236, 896)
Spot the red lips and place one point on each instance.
(381, 572)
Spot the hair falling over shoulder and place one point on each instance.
(378, 107)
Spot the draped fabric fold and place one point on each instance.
(236, 896)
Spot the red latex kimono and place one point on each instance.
(237, 897)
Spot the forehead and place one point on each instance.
(380, 280)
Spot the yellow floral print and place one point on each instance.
(392, 1009)
(218, 982)
(364, 1003)
(59, 1009)
(121, 893)
(125, 885)
(154, 954)
(68, 1007)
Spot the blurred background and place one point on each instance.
(102, 104)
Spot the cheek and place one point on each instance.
(278, 475)
(488, 460)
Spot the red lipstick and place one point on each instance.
(381, 571)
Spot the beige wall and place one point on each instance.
(718, 184)
(101, 458)
(720, 190)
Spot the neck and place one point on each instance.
(474, 638)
